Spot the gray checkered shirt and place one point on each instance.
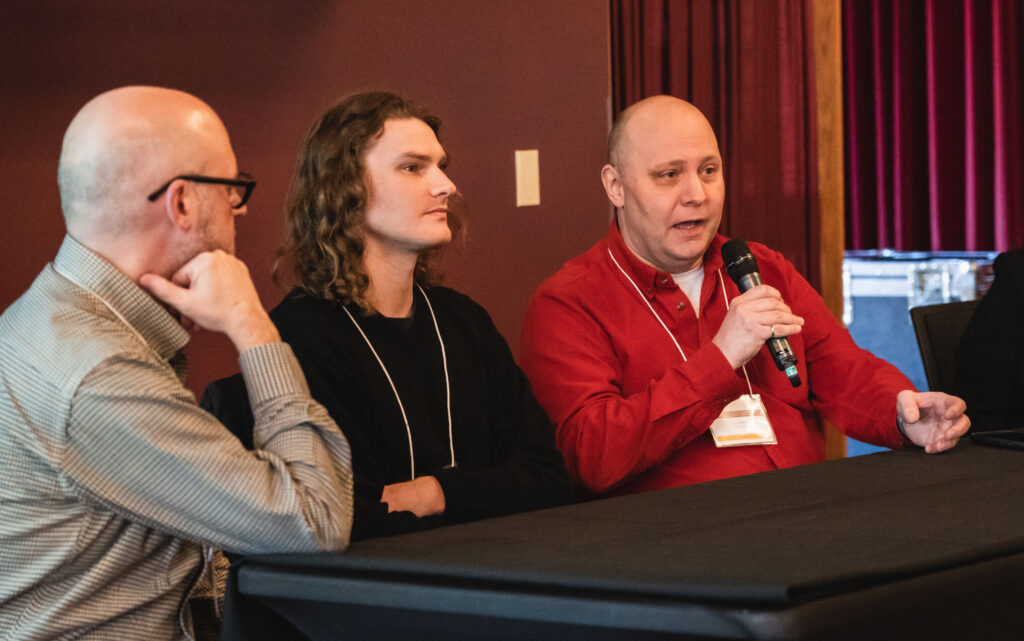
(111, 477)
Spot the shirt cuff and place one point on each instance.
(271, 371)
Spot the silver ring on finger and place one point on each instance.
(773, 332)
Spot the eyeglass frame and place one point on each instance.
(244, 180)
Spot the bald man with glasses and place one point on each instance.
(115, 487)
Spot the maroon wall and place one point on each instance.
(503, 76)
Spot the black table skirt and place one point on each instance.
(888, 544)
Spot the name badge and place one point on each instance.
(743, 422)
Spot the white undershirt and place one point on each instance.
(690, 282)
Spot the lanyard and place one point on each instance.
(725, 297)
(398, 399)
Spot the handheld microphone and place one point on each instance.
(742, 268)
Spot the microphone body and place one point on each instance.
(742, 268)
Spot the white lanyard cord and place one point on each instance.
(447, 384)
(646, 302)
(401, 408)
(725, 297)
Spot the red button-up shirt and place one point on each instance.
(632, 415)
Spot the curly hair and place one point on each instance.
(325, 240)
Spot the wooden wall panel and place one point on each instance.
(829, 227)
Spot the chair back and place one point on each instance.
(228, 400)
(938, 329)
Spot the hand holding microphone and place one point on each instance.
(757, 316)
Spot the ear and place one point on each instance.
(612, 181)
(180, 205)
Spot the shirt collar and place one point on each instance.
(650, 279)
(150, 319)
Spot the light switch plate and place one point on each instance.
(527, 177)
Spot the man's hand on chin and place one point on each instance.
(214, 291)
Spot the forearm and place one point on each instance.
(847, 385)
(289, 424)
(138, 444)
(373, 519)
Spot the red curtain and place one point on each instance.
(747, 65)
(933, 94)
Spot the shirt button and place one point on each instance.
(681, 305)
(663, 280)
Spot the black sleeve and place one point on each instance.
(529, 472)
(990, 357)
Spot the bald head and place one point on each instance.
(642, 122)
(665, 178)
(125, 143)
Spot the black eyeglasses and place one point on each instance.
(240, 188)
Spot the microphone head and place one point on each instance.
(738, 260)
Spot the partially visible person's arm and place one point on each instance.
(990, 358)
(138, 443)
(849, 386)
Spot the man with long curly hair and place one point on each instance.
(443, 425)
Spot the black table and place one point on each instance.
(896, 545)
